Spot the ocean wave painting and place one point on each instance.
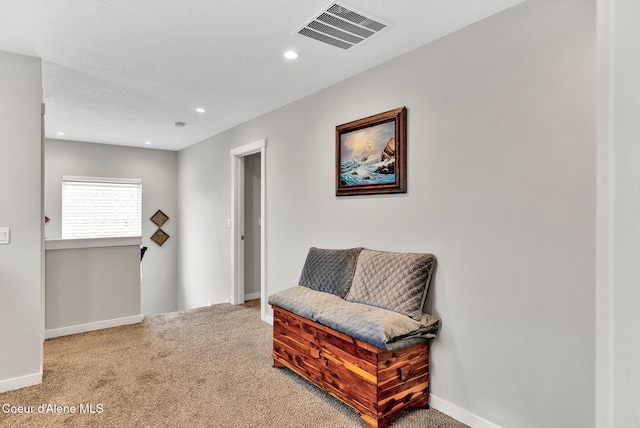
(371, 155)
(357, 173)
(368, 156)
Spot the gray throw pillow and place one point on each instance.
(330, 271)
(394, 281)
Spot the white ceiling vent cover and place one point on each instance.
(341, 27)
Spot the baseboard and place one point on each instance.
(268, 319)
(460, 414)
(98, 325)
(252, 296)
(20, 382)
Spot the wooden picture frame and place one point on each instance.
(159, 218)
(160, 237)
(371, 154)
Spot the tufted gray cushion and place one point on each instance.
(394, 281)
(330, 271)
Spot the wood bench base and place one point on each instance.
(378, 384)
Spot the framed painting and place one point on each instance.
(371, 154)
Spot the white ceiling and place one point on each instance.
(124, 71)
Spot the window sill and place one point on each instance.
(66, 244)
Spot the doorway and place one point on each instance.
(252, 224)
(248, 157)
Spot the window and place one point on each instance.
(101, 207)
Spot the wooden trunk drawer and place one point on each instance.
(376, 383)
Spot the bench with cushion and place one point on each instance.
(355, 327)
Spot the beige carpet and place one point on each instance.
(207, 367)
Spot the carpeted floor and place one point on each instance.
(207, 367)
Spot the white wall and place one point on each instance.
(618, 294)
(21, 262)
(501, 187)
(204, 205)
(158, 171)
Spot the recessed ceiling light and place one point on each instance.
(291, 54)
(59, 133)
(201, 110)
(148, 143)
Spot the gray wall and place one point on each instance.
(91, 287)
(158, 171)
(501, 179)
(618, 294)
(21, 262)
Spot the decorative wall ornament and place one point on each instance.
(371, 154)
(159, 218)
(160, 237)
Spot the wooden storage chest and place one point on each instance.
(378, 384)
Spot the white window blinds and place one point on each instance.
(101, 207)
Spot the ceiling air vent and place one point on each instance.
(341, 27)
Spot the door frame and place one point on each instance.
(237, 155)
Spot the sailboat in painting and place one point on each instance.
(367, 169)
